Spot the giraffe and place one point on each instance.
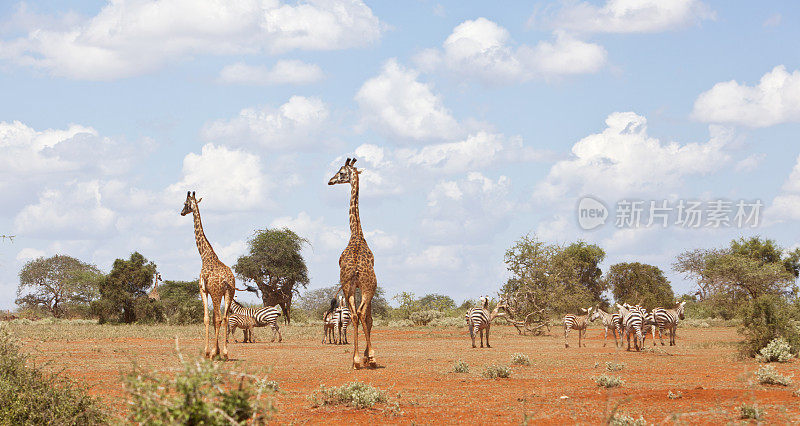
(356, 270)
(154, 292)
(216, 280)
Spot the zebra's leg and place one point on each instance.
(605, 336)
(471, 333)
(280, 336)
(345, 336)
(487, 335)
(566, 333)
(672, 334)
(481, 336)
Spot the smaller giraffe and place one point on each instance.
(154, 292)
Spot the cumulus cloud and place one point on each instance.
(750, 163)
(294, 124)
(625, 16)
(436, 257)
(227, 179)
(283, 72)
(132, 37)
(623, 160)
(482, 49)
(786, 204)
(396, 104)
(76, 211)
(775, 100)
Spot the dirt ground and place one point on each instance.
(416, 373)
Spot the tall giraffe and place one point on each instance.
(216, 279)
(154, 292)
(356, 269)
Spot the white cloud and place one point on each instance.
(230, 253)
(284, 72)
(775, 100)
(227, 180)
(750, 163)
(436, 257)
(397, 105)
(294, 124)
(786, 204)
(132, 37)
(627, 16)
(624, 161)
(76, 212)
(482, 49)
(29, 253)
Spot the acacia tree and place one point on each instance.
(317, 302)
(55, 281)
(639, 283)
(276, 266)
(127, 282)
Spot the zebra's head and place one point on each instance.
(679, 309)
(593, 314)
(485, 302)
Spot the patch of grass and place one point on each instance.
(354, 394)
(675, 395)
(30, 396)
(460, 367)
(607, 381)
(768, 375)
(520, 359)
(751, 412)
(495, 371)
(621, 419)
(777, 350)
(393, 409)
(610, 366)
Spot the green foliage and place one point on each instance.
(127, 281)
(768, 375)
(316, 302)
(424, 317)
(29, 396)
(202, 392)
(181, 302)
(495, 371)
(148, 311)
(751, 412)
(57, 281)
(408, 304)
(607, 381)
(355, 394)
(436, 302)
(460, 367)
(640, 283)
(610, 366)
(584, 258)
(520, 359)
(764, 319)
(777, 350)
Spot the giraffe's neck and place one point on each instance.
(355, 220)
(203, 246)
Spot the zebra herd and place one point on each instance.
(335, 320)
(248, 318)
(630, 320)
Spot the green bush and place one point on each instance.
(424, 317)
(520, 359)
(355, 394)
(765, 319)
(460, 367)
(497, 371)
(768, 375)
(751, 412)
(148, 311)
(606, 381)
(29, 396)
(202, 392)
(190, 312)
(778, 350)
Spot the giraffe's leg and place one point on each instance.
(368, 286)
(204, 296)
(216, 319)
(226, 314)
(348, 289)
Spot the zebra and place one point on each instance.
(479, 319)
(330, 321)
(632, 319)
(342, 321)
(613, 322)
(266, 316)
(578, 322)
(667, 319)
(244, 322)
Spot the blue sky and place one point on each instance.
(474, 124)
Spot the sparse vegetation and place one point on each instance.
(497, 372)
(751, 412)
(520, 359)
(424, 317)
(768, 375)
(778, 350)
(675, 395)
(621, 419)
(610, 366)
(354, 394)
(30, 396)
(460, 367)
(608, 381)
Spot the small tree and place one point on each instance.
(181, 301)
(436, 302)
(55, 281)
(766, 318)
(127, 281)
(640, 283)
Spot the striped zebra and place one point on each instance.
(329, 322)
(667, 319)
(342, 321)
(611, 321)
(579, 323)
(266, 316)
(479, 319)
(632, 321)
(244, 322)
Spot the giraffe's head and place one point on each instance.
(190, 205)
(345, 173)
